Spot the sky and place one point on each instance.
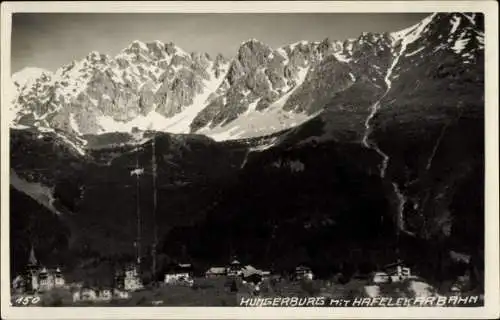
(51, 40)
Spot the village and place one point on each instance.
(38, 279)
(236, 280)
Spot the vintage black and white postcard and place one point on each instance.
(268, 159)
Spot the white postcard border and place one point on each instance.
(492, 285)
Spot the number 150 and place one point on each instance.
(27, 300)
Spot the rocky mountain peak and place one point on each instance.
(220, 59)
(251, 54)
(157, 84)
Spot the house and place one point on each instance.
(397, 271)
(380, 277)
(46, 280)
(251, 275)
(50, 279)
(77, 296)
(303, 273)
(254, 276)
(129, 279)
(19, 284)
(234, 269)
(105, 294)
(179, 273)
(59, 281)
(120, 294)
(215, 272)
(248, 270)
(88, 294)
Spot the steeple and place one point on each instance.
(32, 259)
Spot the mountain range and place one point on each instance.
(296, 154)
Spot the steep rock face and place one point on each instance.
(297, 75)
(257, 77)
(322, 83)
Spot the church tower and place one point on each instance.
(33, 283)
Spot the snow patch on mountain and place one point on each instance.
(368, 130)
(37, 191)
(26, 75)
(341, 57)
(294, 45)
(407, 36)
(13, 114)
(19, 126)
(301, 76)
(283, 53)
(264, 146)
(455, 22)
(470, 18)
(152, 121)
(410, 34)
(460, 44)
(73, 124)
(402, 39)
(414, 52)
(259, 123)
(75, 146)
(252, 106)
(181, 122)
(75, 78)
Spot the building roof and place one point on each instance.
(217, 270)
(254, 277)
(250, 270)
(179, 268)
(302, 268)
(394, 264)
